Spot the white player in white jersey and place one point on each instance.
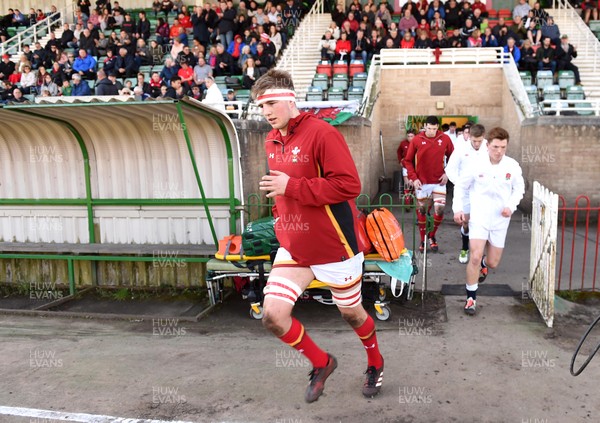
(464, 156)
(495, 186)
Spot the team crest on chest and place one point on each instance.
(295, 152)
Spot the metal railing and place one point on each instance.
(487, 57)
(32, 33)
(563, 9)
(297, 47)
(571, 107)
(517, 89)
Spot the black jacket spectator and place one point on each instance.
(224, 64)
(105, 86)
(227, 23)
(143, 28)
(66, 37)
(7, 67)
(202, 22)
(128, 64)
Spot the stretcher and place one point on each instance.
(398, 276)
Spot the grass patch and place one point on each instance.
(580, 297)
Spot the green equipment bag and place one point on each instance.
(259, 238)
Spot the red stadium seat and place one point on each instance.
(492, 14)
(340, 67)
(357, 66)
(504, 13)
(325, 69)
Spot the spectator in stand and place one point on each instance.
(422, 7)
(435, 6)
(176, 48)
(104, 86)
(94, 19)
(440, 40)
(518, 28)
(28, 80)
(477, 18)
(437, 23)
(546, 56)
(474, 39)
(394, 36)
(408, 23)
(117, 8)
(384, 14)
(125, 64)
(291, 13)
(565, 53)
(27, 52)
(376, 43)
(407, 41)
(211, 57)
(156, 83)
(174, 30)
(512, 48)
(109, 62)
(57, 74)
(342, 48)
(141, 83)
(85, 65)
(169, 70)
(201, 71)
(275, 38)
(18, 96)
(80, 88)
(41, 73)
(226, 25)
(186, 73)
(204, 21)
(162, 32)
(528, 61)
(488, 39)
(142, 28)
(589, 9)
(262, 59)
(19, 19)
(186, 22)
(467, 30)
(105, 20)
(465, 12)
(235, 50)
(522, 9)
(213, 97)
(224, 65)
(352, 22)
(87, 42)
(49, 85)
(550, 30)
(7, 67)
(533, 33)
(250, 73)
(423, 27)
(187, 55)
(165, 7)
(452, 10)
(478, 5)
(360, 47)
(424, 41)
(128, 25)
(540, 15)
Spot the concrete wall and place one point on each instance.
(561, 153)
(356, 131)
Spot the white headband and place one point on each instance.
(276, 94)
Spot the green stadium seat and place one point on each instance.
(146, 68)
(340, 80)
(585, 112)
(532, 93)
(544, 78)
(356, 93)
(242, 95)
(321, 80)
(359, 80)
(566, 78)
(551, 92)
(314, 93)
(335, 94)
(575, 92)
(525, 77)
(234, 85)
(220, 81)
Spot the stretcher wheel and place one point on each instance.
(382, 312)
(256, 314)
(382, 294)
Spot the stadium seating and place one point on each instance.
(356, 66)
(340, 80)
(551, 92)
(544, 78)
(340, 67)
(335, 94)
(321, 80)
(525, 77)
(575, 92)
(314, 94)
(325, 68)
(359, 80)
(356, 93)
(532, 93)
(566, 78)
(242, 95)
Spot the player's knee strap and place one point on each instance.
(347, 297)
(421, 217)
(283, 289)
(439, 201)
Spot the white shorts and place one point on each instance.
(428, 190)
(343, 279)
(495, 237)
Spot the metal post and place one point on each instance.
(71, 271)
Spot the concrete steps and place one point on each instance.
(587, 60)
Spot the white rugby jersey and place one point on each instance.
(463, 157)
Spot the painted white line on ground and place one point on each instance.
(74, 417)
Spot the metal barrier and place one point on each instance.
(34, 32)
(543, 251)
(487, 57)
(571, 107)
(592, 45)
(575, 225)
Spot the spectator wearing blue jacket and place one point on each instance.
(550, 30)
(488, 39)
(85, 65)
(79, 87)
(511, 48)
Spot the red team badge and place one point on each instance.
(508, 176)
